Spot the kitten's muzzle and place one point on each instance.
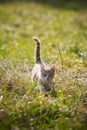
(48, 78)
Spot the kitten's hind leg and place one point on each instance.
(32, 76)
(32, 79)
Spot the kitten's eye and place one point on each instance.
(44, 75)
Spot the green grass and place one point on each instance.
(22, 105)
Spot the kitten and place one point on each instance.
(43, 74)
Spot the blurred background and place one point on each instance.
(61, 26)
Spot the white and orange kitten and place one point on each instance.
(43, 74)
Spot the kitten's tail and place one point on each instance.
(37, 52)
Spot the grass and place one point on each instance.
(22, 105)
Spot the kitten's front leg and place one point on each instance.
(43, 89)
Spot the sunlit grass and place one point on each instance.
(22, 105)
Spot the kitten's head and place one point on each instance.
(47, 75)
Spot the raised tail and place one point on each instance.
(37, 51)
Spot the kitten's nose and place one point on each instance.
(47, 77)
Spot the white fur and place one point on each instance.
(36, 72)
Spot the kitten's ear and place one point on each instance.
(53, 68)
(41, 68)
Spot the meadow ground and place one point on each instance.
(62, 25)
